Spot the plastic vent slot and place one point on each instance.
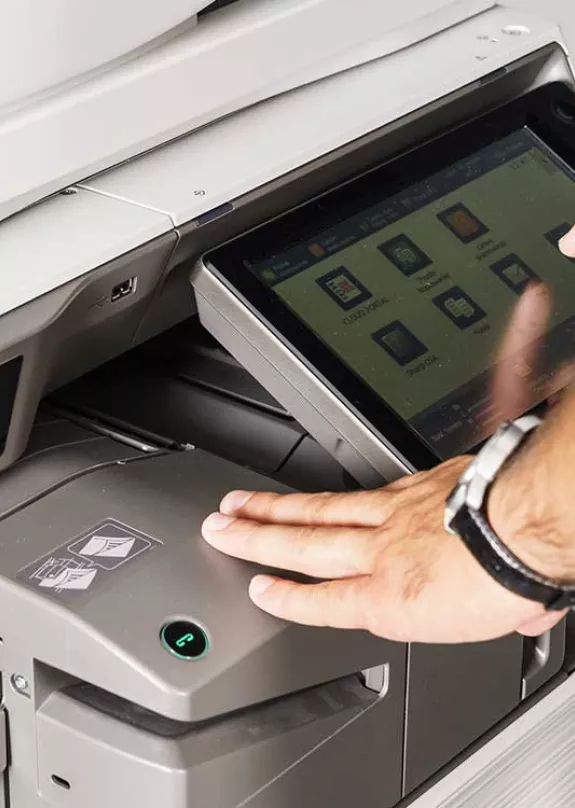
(216, 6)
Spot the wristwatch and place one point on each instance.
(466, 517)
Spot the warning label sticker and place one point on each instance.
(76, 566)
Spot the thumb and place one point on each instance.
(567, 244)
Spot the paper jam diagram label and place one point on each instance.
(75, 567)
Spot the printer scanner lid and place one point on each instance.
(45, 44)
(84, 102)
(152, 195)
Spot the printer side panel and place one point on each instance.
(78, 272)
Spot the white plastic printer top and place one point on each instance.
(43, 44)
(97, 82)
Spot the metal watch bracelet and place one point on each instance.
(466, 517)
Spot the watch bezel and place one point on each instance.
(472, 488)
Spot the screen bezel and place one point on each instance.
(538, 111)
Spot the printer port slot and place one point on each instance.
(123, 289)
(60, 782)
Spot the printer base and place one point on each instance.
(329, 746)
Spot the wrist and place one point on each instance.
(528, 508)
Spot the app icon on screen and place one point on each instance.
(463, 223)
(459, 307)
(399, 343)
(405, 255)
(269, 276)
(554, 237)
(344, 288)
(317, 250)
(514, 273)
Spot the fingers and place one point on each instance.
(567, 244)
(336, 604)
(320, 552)
(354, 509)
(518, 353)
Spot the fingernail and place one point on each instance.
(233, 501)
(217, 521)
(567, 244)
(259, 585)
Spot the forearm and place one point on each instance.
(532, 504)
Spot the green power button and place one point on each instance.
(185, 640)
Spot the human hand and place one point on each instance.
(384, 561)
(511, 394)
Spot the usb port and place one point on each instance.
(127, 287)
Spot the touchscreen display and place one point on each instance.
(414, 292)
